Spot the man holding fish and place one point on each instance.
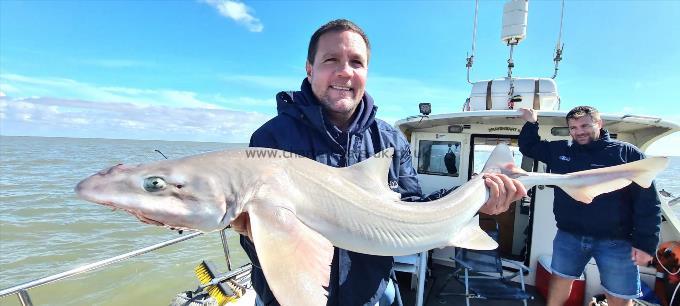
(619, 229)
(332, 120)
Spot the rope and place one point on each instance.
(656, 254)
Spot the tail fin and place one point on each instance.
(587, 193)
(642, 172)
(652, 165)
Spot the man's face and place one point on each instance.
(584, 130)
(338, 75)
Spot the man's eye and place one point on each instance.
(329, 60)
(358, 64)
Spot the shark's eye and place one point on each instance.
(154, 183)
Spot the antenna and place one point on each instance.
(559, 47)
(471, 58)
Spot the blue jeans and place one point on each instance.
(619, 275)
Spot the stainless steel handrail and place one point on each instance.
(20, 290)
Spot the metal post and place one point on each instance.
(511, 63)
(225, 245)
(24, 298)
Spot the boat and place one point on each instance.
(488, 117)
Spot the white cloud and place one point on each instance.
(79, 118)
(245, 102)
(238, 12)
(23, 86)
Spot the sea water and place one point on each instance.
(45, 229)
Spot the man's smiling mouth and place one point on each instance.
(344, 88)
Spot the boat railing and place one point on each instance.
(22, 290)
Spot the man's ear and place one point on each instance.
(308, 68)
(601, 123)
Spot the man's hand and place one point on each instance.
(529, 114)
(640, 258)
(502, 192)
(241, 225)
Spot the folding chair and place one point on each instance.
(415, 264)
(482, 274)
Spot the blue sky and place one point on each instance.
(208, 70)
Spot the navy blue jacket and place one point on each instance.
(302, 128)
(632, 213)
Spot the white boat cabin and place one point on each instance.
(528, 227)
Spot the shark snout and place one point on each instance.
(97, 186)
(87, 189)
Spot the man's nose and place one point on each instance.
(344, 69)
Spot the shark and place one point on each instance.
(299, 208)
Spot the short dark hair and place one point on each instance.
(337, 25)
(580, 111)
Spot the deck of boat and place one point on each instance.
(434, 282)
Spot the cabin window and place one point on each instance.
(439, 157)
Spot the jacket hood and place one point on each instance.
(304, 106)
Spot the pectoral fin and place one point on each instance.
(471, 236)
(294, 258)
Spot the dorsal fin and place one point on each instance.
(373, 172)
(500, 160)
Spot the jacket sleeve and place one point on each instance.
(646, 213)
(531, 145)
(263, 139)
(408, 178)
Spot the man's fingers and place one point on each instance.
(491, 203)
(498, 195)
(510, 188)
(640, 257)
(494, 191)
(502, 192)
(241, 225)
(520, 190)
(528, 114)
